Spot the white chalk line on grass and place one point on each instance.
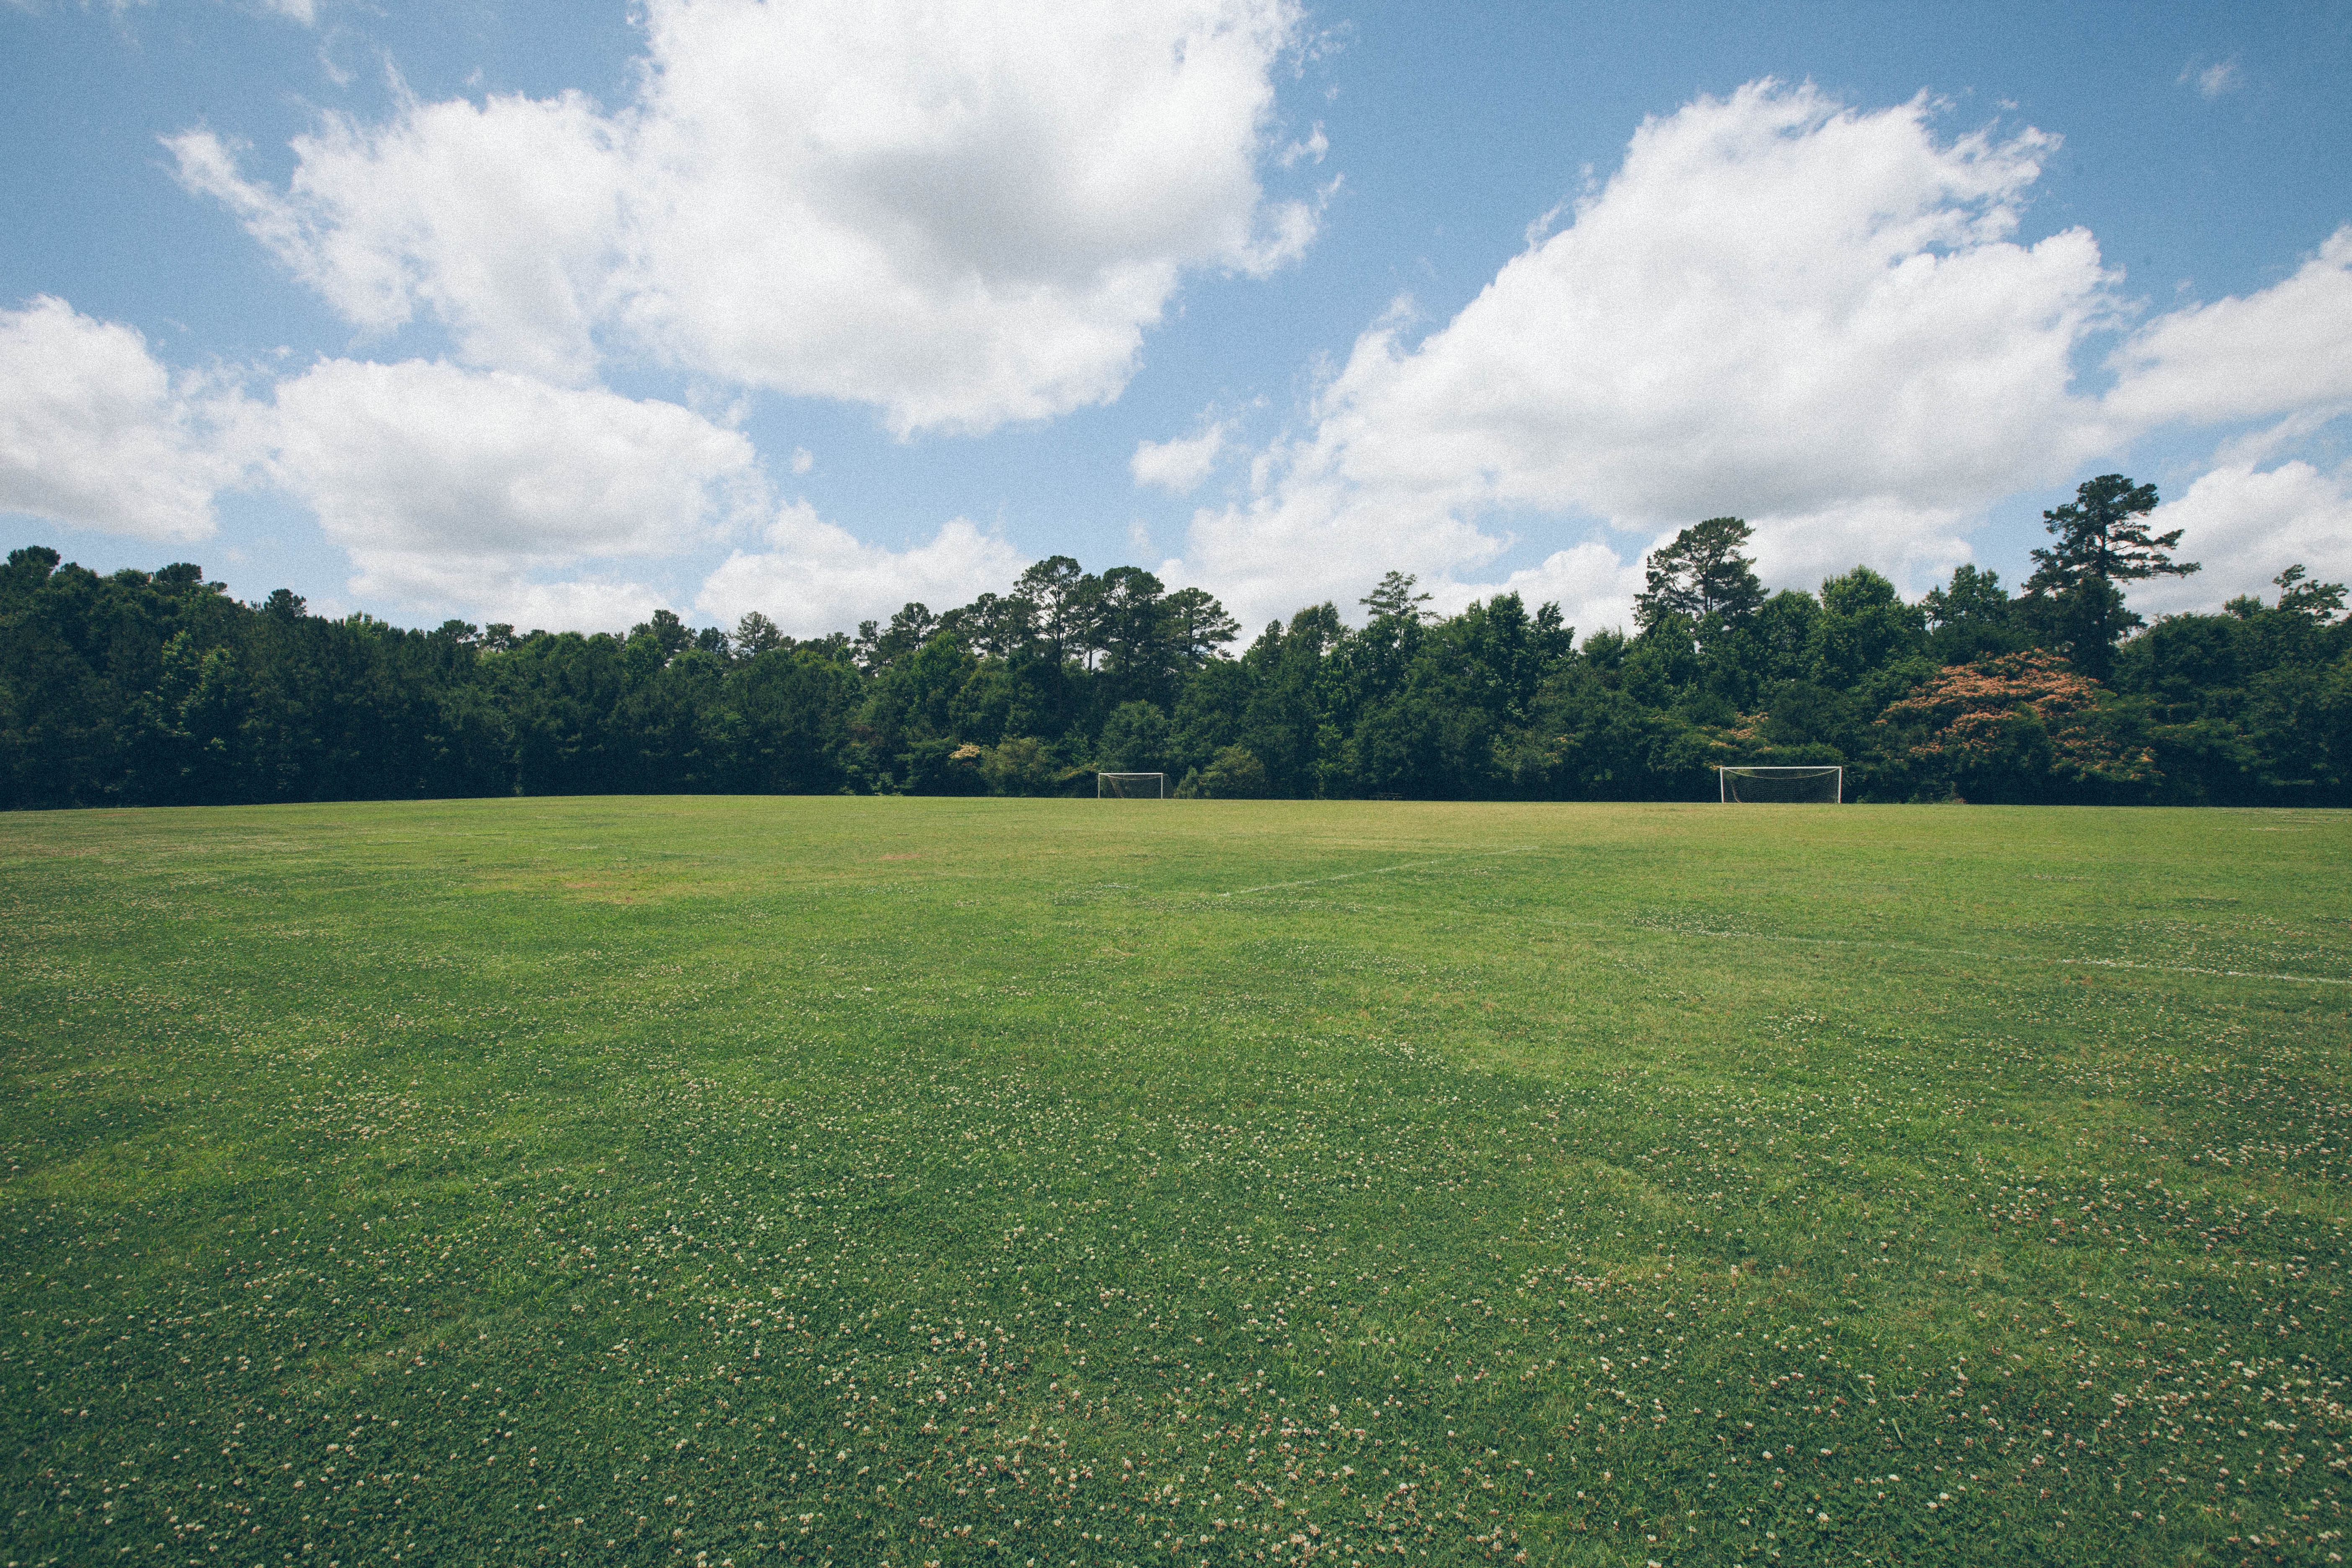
(2192, 969)
(1379, 870)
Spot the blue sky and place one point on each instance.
(551, 314)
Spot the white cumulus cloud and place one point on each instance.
(960, 214)
(97, 433)
(2288, 347)
(501, 220)
(1593, 584)
(815, 577)
(1780, 307)
(2212, 81)
(567, 604)
(2243, 526)
(452, 485)
(1180, 465)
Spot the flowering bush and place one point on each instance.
(2018, 726)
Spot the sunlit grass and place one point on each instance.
(907, 1182)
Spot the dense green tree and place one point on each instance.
(1701, 577)
(998, 627)
(671, 634)
(755, 633)
(1197, 626)
(1284, 720)
(796, 707)
(1394, 604)
(912, 699)
(1233, 773)
(2103, 541)
(1132, 630)
(1972, 617)
(2321, 602)
(1210, 713)
(1022, 764)
(1060, 598)
(1863, 626)
(2241, 703)
(143, 688)
(879, 647)
(1135, 739)
(1770, 649)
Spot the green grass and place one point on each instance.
(1005, 1182)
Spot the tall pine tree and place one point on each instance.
(1702, 574)
(2103, 540)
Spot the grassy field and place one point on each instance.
(903, 1182)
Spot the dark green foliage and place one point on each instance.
(1972, 617)
(2322, 602)
(1233, 773)
(1702, 576)
(2250, 707)
(1135, 741)
(158, 688)
(1863, 626)
(2102, 541)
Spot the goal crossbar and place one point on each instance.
(1784, 784)
(1130, 786)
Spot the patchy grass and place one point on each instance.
(959, 1182)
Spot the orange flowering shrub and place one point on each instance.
(2015, 720)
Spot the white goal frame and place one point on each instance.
(1106, 786)
(1724, 775)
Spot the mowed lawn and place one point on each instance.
(857, 1181)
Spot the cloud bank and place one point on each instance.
(449, 485)
(96, 433)
(1781, 307)
(963, 215)
(815, 577)
(1818, 317)
(2288, 348)
(2244, 525)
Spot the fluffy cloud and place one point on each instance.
(2245, 525)
(2287, 347)
(2213, 80)
(1591, 583)
(96, 433)
(1314, 535)
(1178, 466)
(963, 215)
(502, 221)
(454, 486)
(813, 577)
(485, 490)
(1780, 307)
(567, 604)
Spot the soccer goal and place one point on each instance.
(1782, 786)
(1130, 786)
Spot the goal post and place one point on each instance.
(1130, 786)
(1808, 786)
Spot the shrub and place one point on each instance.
(2015, 728)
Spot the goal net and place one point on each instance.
(1130, 786)
(1782, 786)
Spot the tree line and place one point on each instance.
(157, 688)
